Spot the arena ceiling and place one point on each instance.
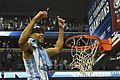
(64, 8)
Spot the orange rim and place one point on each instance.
(81, 48)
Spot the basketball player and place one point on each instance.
(36, 59)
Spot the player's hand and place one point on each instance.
(41, 15)
(61, 22)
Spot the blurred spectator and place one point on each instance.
(9, 66)
(12, 60)
(8, 44)
(3, 59)
(1, 23)
(65, 62)
(18, 23)
(20, 66)
(55, 64)
(117, 67)
(4, 44)
(82, 26)
(61, 65)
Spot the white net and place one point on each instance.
(83, 57)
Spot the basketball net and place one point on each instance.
(83, 57)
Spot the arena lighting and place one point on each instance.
(63, 74)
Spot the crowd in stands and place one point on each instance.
(11, 57)
(12, 60)
(18, 23)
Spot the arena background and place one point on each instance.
(83, 17)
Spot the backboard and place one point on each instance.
(104, 22)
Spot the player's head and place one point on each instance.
(38, 33)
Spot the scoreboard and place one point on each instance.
(102, 16)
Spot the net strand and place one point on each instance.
(83, 58)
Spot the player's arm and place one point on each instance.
(28, 30)
(24, 45)
(60, 41)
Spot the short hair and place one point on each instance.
(38, 29)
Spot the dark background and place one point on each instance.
(63, 8)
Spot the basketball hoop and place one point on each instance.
(83, 50)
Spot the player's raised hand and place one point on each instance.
(41, 15)
(61, 22)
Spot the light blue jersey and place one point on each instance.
(36, 65)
